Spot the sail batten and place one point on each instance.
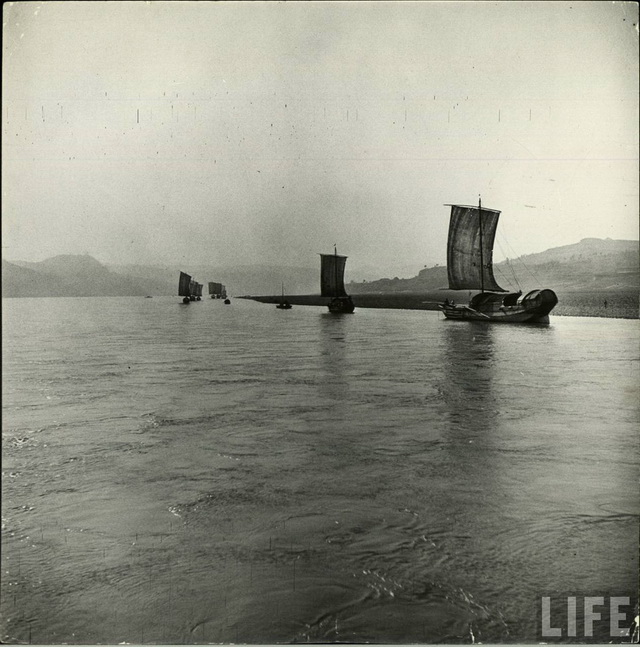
(332, 275)
(472, 234)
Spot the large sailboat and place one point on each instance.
(332, 282)
(184, 287)
(472, 232)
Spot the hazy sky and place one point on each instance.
(233, 133)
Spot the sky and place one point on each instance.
(235, 133)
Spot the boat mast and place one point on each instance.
(335, 268)
(481, 256)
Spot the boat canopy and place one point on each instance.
(184, 285)
(472, 232)
(332, 275)
(483, 299)
(541, 298)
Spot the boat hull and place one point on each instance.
(534, 307)
(460, 314)
(341, 305)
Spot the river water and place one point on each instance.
(237, 473)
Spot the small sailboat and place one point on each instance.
(472, 232)
(215, 289)
(198, 291)
(332, 282)
(184, 287)
(284, 304)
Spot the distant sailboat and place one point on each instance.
(332, 282)
(198, 291)
(184, 287)
(215, 289)
(284, 304)
(472, 232)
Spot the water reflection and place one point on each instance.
(470, 365)
(332, 383)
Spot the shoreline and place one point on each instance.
(622, 304)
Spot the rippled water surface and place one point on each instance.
(212, 473)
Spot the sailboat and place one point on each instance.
(472, 232)
(332, 282)
(184, 287)
(284, 304)
(216, 290)
(198, 292)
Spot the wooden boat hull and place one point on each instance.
(534, 307)
(340, 305)
(461, 313)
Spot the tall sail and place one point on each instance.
(332, 275)
(198, 291)
(472, 232)
(212, 289)
(183, 285)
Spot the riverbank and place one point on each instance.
(619, 304)
(622, 304)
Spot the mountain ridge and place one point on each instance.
(592, 263)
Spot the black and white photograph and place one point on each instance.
(320, 322)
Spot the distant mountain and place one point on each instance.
(240, 279)
(67, 275)
(591, 264)
(22, 281)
